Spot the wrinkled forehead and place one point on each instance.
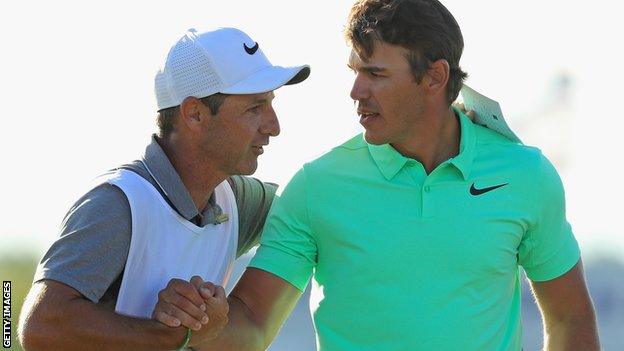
(382, 55)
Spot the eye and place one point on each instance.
(374, 74)
(254, 109)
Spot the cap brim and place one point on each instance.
(269, 79)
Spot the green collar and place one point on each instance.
(390, 162)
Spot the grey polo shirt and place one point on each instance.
(92, 249)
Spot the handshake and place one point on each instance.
(195, 304)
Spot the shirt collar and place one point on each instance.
(464, 160)
(390, 162)
(167, 178)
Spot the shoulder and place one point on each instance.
(137, 167)
(249, 187)
(253, 200)
(524, 164)
(343, 155)
(492, 146)
(102, 201)
(101, 213)
(93, 244)
(105, 202)
(487, 138)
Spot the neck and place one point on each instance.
(434, 139)
(200, 176)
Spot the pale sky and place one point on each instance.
(76, 89)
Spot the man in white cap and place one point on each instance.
(181, 213)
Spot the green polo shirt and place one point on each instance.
(403, 260)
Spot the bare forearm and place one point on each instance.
(79, 324)
(241, 333)
(257, 308)
(579, 334)
(568, 312)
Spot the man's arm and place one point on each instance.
(57, 317)
(550, 257)
(259, 305)
(567, 312)
(261, 301)
(64, 309)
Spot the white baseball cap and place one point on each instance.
(224, 60)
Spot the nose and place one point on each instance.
(360, 90)
(270, 123)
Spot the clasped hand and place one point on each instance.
(198, 305)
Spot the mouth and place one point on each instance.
(367, 117)
(258, 150)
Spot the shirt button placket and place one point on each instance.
(427, 210)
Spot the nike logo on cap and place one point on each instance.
(474, 191)
(251, 50)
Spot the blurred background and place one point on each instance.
(76, 90)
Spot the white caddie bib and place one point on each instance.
(165, 245)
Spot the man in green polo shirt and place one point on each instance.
(414, 232)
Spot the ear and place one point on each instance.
(437, 77)
(193, 113)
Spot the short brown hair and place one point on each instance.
(424, 27)
(166, 117)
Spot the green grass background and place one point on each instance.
(19, 270)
